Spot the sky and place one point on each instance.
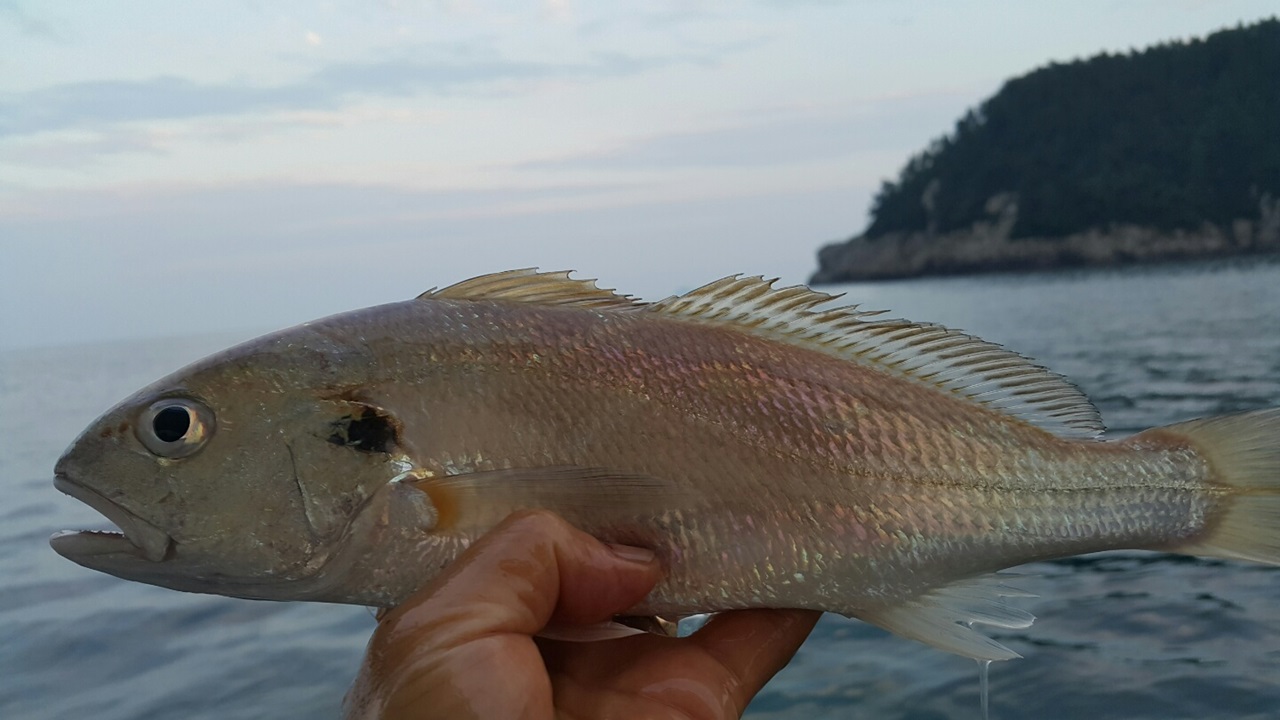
(190, 168)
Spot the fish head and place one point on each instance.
(240, 475)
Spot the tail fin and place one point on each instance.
(1244, 452)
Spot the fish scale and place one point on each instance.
(772, 451)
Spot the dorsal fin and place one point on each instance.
(967, 366)
(946, 359)
(530, 286)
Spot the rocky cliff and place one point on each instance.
(1165, 153)
(988, 246)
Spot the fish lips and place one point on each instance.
(103, 550)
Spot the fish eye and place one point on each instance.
(175, 427)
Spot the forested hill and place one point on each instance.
(1178, 139)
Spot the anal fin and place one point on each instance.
(944, 617)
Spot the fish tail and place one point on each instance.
(1243, 452)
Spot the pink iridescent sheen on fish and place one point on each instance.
(773, 452)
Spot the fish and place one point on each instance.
(774, 449)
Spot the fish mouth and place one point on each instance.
(138, 538)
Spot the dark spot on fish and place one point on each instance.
(371, 431)
(122, 427)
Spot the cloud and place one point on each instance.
(281, 207)
(26, 23)
(557, 10)
(75, 149)
(112, 101)
(92, 104)
(778, 138)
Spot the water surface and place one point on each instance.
(1120, 635)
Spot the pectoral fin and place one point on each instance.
(582, 495)
(621, 626)
(607, 630)
(652, 624)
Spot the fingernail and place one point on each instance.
(631, 553)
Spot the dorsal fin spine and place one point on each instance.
(527, 285)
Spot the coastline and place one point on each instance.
(987, 247)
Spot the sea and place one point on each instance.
(1119, 635)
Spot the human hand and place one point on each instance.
(464, 646)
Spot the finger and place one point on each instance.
(529, 570)
(444, 647)
(753, 645)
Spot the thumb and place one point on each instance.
(531, 569)
(473, 622)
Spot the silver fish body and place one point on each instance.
(773, 454)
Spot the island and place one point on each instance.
(1168, 153)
